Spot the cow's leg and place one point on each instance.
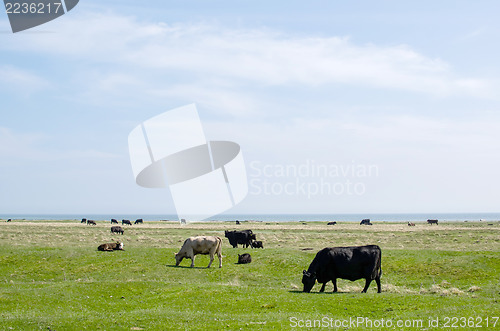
(334, 281)
(367, 284)
(379, 288)
(323, 287)
(192, 261)
(211, 260)
(219, 255)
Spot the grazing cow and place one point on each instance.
(117, 229)
(90, 222)
(113, 221)
(238, 222)
(411, 224)
(244, 258)
(9, 220)
(127, 222)
(243, 237)
(365, 222)
(200, 245)
(138, 221)
(331, 223)
(84, 220)
(257, 244)
(351, 263)
(183, 221)
(117, 246)
(432, 222)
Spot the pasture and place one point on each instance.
(53, 277)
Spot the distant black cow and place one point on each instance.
(117, 246)
(243, 237)
(351, 263)
(113, 221)
(366, 222)
(84, 220)
(257, 244)
(238, 222)
(127, 222)
(183, 221)
(331, 223)
(117, 229)
(432, 222)
(90, 222)
(9, 220)
(244, 258)
(138, 221)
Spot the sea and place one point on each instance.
(377, 217)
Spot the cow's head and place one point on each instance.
(308, 279)
(119, 246)
(178, 259)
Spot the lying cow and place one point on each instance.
(117, 229)
(244, 258)
(331, 223)
(257, 244)
(366, 222)
(243, 237)
(351, 263)
(200, 245)
(432, 222)
(411, 224)
(117, 246)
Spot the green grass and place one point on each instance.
(52, 276)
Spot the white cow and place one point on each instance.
(200, 245)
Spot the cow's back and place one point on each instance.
(348, 262)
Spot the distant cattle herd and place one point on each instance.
(329, 264)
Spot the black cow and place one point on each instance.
(365, 222)
(117, 229)
(351, 263)
(90, 222)
(84, 220)
(238, 222)
(331, 223)
(244, 258)
(257, 244)
(113, 221)
(138, 221)
(432, 222)
(243, 237)
(9, 220)
(127, 222)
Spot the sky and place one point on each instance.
(339, 107)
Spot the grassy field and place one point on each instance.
(53, 277)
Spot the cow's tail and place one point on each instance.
(218, 249)
(377, 273)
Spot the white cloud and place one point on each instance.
(25, 82)
(258, 56)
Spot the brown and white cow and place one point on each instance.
(117, 246)
(200, 245)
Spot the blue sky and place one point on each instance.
(407, 89)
